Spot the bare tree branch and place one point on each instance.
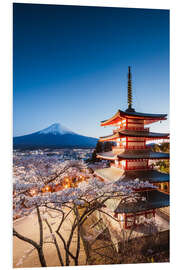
(56, 244)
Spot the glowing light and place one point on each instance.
(46, 189)
(33, 192)
(67, 182)
(66, 179)
(81, 178)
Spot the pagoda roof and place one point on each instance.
(112, 174)
(143, 155)
(153, 176)
(154, 199)
(107, 155)
(147, 117)
(134, 154)
(109, 137)
(134, 133)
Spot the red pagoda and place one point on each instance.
(132, 158)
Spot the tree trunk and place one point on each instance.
(41, 257)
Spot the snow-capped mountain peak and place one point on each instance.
(56, 129)
(54, 136)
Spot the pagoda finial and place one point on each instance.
(129, 90)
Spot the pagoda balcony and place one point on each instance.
(118, 147)
(132, 168)
(140, 168)
(132, 147)
(131, 128)
(129, 147)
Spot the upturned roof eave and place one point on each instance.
(120, 134)
(145, 135)
(107, 157)
(124, 114)
(149, 155)
(120, 175)
(153, 176)
(133, 156)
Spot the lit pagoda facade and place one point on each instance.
(132, 158)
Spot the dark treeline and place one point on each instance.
(101, 147)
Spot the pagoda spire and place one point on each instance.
(129, 90)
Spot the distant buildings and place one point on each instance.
(61, 154)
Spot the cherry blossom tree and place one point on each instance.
(61, 191)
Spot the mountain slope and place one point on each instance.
(55, 136)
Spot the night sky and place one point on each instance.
(70, 65)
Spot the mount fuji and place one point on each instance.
(54, 136)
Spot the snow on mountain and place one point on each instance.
(54, 136)
(56, 129)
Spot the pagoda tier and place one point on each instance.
(133, 155)
(130, 213)
(154, 200)
(133, 160)
(129, 133)
(145, 118)
(115, 174)
(153, 176)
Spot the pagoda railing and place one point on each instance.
(132, 168)
(132, 220)
(130, 147)
(131, 128)
(150, 167)
(116, 147)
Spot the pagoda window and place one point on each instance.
(135, 143)
(135, 124)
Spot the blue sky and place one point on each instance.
(70, 65)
